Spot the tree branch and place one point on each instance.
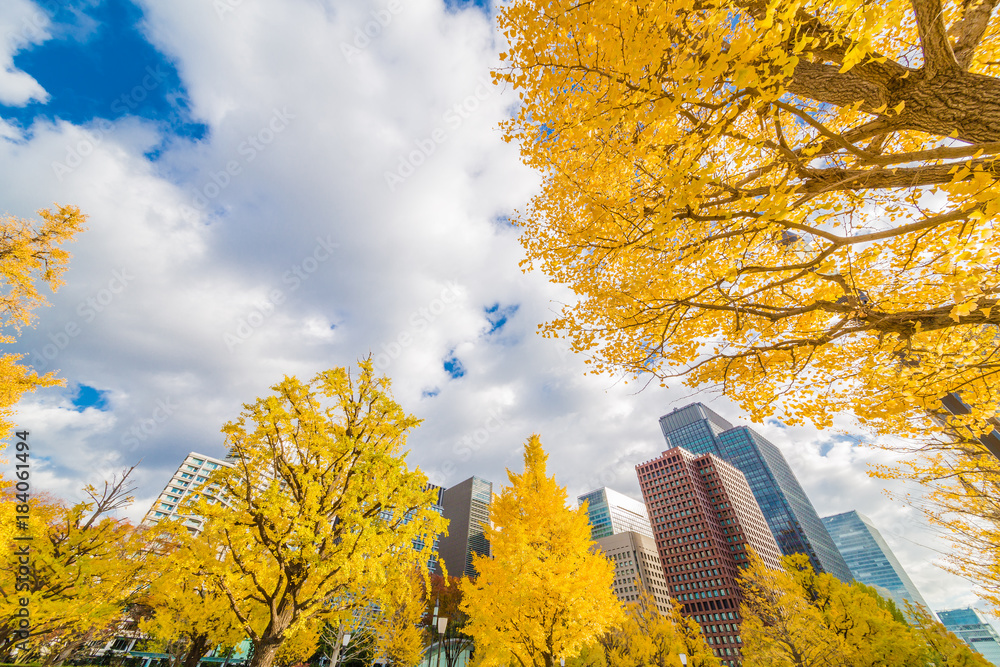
(938, 56)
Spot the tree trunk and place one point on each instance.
(68, 650)
(197, 649)
(263, 654)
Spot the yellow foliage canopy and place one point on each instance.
(30, 255)
(320, 514)
(796, 618)
(798, 199)
(544, 594)
(649, 638)
(85, 564)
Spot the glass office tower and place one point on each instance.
(870, 558)
(788, 511)
(610, 513)
(975, 630)
(467, 508)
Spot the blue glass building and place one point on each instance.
(789, 513)
(870, 558)
(611, 513)
(975, 630)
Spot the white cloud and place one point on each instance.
(22, 23)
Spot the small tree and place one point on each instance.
(647, 637)
(544, 594)
(85, 568)
(400, 636)
(319, 507)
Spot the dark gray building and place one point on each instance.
(788, 511)
(870, 558)
(467, 508)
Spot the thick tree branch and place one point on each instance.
(938, 56)
(968, 31)
(825, 83)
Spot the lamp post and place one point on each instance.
(343, 647)
(442, 625)
(684, 659)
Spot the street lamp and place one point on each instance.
(442, 625)
(684, 659)
(344, 642)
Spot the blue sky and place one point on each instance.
(234, 166)
(98, 64)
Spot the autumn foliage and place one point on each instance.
(545, 593)
(31, 256)
(798, 618)
(320, 517)
(795, 201)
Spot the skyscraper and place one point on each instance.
(194, 470)
(975, 630)
(467, 508)
(870, 558)
(793, 520)
(611, 512)
(705, 519)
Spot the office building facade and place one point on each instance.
(191, 473)
(610, 513)
(975, 630)
(705, 520)
(791, 516)
(870, 558)
(637, 568)
(466, 506)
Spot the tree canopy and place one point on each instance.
(320, 515)
(647, 637)
(85, 567)
(544, 593)
(794, 200)
(797, 618)
(31, 255)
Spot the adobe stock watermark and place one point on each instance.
(364, 34)
(87, 311)
(33, 26)
(418, 321)
(142, 429)
(452, 119)
(247, 151)
(225, 7)
(469, 444)
(293, 278)
(76, 153)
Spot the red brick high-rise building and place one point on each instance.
(705, 519)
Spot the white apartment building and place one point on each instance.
(191, 474)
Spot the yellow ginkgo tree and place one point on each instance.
(647, 637)
(544, 593)
(795, 201)
(798, 618)
(182, 609)
(31, 255)
(320, 516)
(85, 566)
